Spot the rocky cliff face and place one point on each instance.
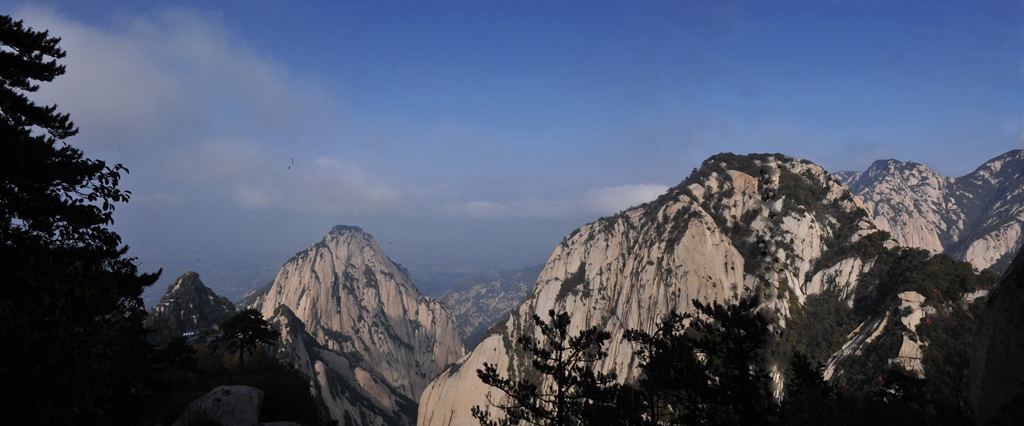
(187, 306)
(480, 303)
(978, 217)
(740, 224)
(769, 225)
(353, 321)
(254, 297)
(996, 393)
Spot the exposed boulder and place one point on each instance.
(225, 405)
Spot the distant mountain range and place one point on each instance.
(978, 217)
(481, 302)
(378, 352)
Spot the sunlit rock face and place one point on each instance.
(739, 224)
(978, 217)
(353, 321)
(996, 387)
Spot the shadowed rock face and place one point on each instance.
(996, 393)
(978, 217)
(188, 305)
(353, 321)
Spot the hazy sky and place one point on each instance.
(475, 134)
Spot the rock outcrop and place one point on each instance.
(978, 217)
(225, 405)
(740, 224)
(186, 308)
(480, 303)
(354, 323)
(996, 387)
(913, 311)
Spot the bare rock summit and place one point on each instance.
(354, 323)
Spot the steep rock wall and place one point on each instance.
(366, 320)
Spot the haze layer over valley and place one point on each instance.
(470, 138)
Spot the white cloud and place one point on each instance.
(330, 185)
(322, 185)
(483, 209)
(529, 208)
(257, 198)
(186, 104)
(602, 201)
(191, 109)
(617, 198)
(159, 198)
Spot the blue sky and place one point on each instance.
(472, 135)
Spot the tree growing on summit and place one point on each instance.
(74, 345)
(568, 392)
(245, 330)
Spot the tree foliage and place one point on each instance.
(808, 399)
(75, 348)
(671, 373)
(820, 326)
(245, 331)
(187, 371)
(706, 368)
(712, 367)
(948, 335)
(940, 278)
(568, 390)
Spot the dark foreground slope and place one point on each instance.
(997, 360)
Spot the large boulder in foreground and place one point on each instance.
(225, 405)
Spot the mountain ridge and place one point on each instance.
(724, 232)
(765, 225)
(978, 217)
